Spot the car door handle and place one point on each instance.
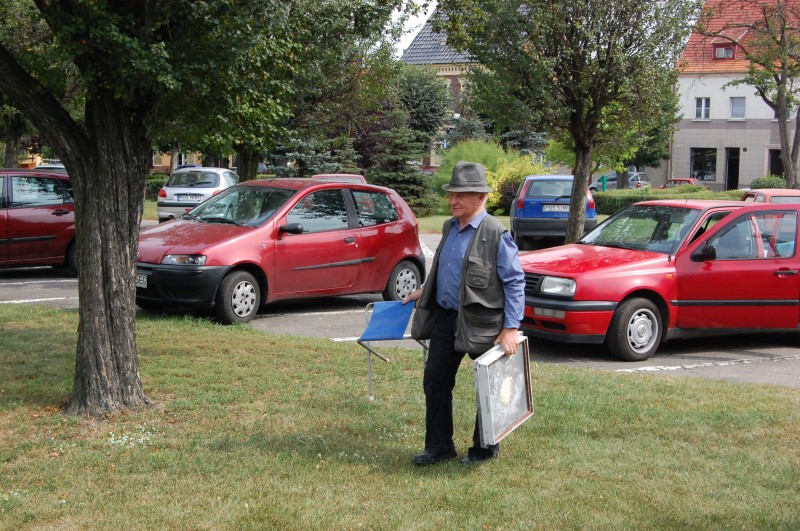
(349, 239)
(60, 212)
(780, 272)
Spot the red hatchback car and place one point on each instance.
(659, 270)
(37, 219)
(275, 239)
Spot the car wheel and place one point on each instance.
(238, 298)
(635, 331)
(72, 259)
(162, 220)
(404, 279)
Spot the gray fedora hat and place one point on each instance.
(468, 177)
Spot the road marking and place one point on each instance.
(344, 339)
(426, 250)
(708, 364)
(25, 283)
(25, 301)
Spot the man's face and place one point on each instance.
(466, 205)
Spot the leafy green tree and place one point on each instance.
(427, 100)
(139, 64)
(769, 37)
(581, 68)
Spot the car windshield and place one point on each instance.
(550, 188)
(241, 205)
(193, 179)
(659, 229)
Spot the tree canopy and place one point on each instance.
(583, 69)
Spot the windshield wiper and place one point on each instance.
(219, 220)
(199, 183)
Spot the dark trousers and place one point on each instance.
(438, 382)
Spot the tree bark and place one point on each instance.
(248, 164)
(580, 191)
(108, 211)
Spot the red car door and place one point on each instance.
(751, 283)
(325, 257)
(41, 220)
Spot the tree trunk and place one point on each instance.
(12, 153)
(580, 190)
(173, 159)
(248, 164)
(108, 211)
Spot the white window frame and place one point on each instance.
(702, 108)
(737, 113)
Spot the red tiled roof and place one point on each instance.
(729, 20)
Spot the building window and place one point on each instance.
(702, 108)
(723, 52)
(737, 108)
(703, 164)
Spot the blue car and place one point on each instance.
(540, 210)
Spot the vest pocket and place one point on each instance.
(478, 273)
(481, 326)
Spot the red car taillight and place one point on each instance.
(638, 184)
(590, 198)
(522, 193)
(162, 193)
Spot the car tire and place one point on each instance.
(162, 220)
(636, 330)
(238, 298)
(403, 279)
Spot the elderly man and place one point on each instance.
(472, 301)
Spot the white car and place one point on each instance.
(188, 187)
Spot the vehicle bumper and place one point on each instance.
(573, 322)
(184, 286)
(545, 228)
(173, 209)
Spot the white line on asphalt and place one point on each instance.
(71, 280)
(344, 338)
(708, 364)
(25, 301)
(309, 314)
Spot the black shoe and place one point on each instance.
(476, 459)
(429, 458)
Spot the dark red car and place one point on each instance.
(268, 240)
(659, 270)
(37, 219)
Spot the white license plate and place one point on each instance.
(189, 197)
(555, 208)
(141, 281)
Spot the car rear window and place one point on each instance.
(550, 189)
(193, 179)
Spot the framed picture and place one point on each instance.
(503, 390)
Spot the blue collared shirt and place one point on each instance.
(451, 259)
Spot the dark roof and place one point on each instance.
(429, 48)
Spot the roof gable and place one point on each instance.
(430, 48)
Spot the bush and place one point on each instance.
(606, 203)
(769, 181)
(480, 151)
(155, 182)
(505, 180)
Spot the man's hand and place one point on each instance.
(508, 340)
(413, 296)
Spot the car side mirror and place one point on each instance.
(291, 228)
(705, 253)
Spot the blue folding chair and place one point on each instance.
(385, 321)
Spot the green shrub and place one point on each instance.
(606, 203)
(480, 151)
(769, 181)
(155, 182)
(506, 178)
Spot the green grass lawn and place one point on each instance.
(251, 430)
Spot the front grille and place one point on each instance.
(532, 281)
